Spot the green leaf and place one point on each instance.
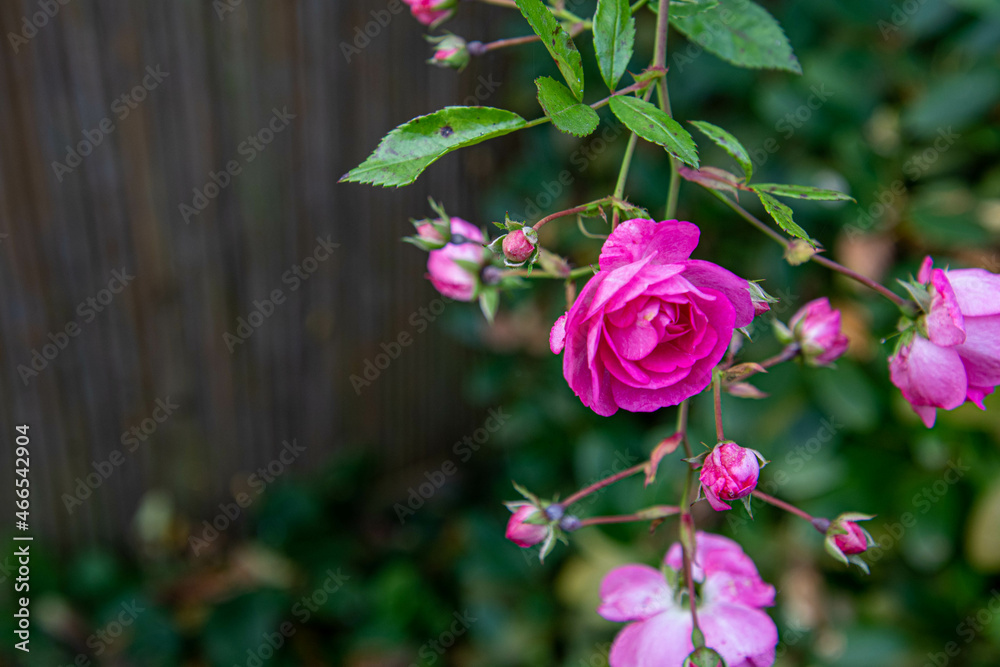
(728, 143)
(801, 192)
(652, 124)
(783, 216)
(560, 45)
(614, 36)
(566, 112)
(404, 153)
(742, 33)
(686, 7)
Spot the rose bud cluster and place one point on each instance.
(730, 472)
(846, 540)
(950, 353)
(431, 12)
(647, 331)
(449, 51)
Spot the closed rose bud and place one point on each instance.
(854, 541)
(427, 232)
(449, 51)
(816, 328)
(517, 248)
(845, 539)
(524, 534)
(730, 472)
(448, 276)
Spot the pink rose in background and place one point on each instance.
(429, 11)
(729, 473)
(731, 597)
(454, 281)
(648, 329)
(816, 328)
(958, 358)
(524, 534)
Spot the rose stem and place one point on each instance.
(626, 518)
(783, 505)
(537, 274)
(500, 3)
(688, 542)
(481, 48)
(789, 353)
(660, 60)
(717, 391)
(682, 424)
(626, 163)
(596, 486)
(819, 259)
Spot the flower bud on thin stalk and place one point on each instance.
(846, 540)
(729, 473)
(449, 51)
(519, 246)
(815, 329)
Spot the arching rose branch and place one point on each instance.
(652, 326)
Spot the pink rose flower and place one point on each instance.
(731, 596)
(729, 473)
(524, 534)
(452, 280)
(427, 11)
(958, 358)
(816, 327)
(648, 329)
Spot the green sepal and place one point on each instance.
(489, 302)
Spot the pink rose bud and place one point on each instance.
(730, 472)
(449, 51)
(427, 231)
(853, 541)
(452, 279)
(517, 248)
(816, 328)
(845, 539)
(524, 534)
(430, 12)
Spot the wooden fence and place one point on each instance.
(164, 166)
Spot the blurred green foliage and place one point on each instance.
(898, 105)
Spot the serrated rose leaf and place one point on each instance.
(404, 153)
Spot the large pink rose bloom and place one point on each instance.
(959, 359)
(424, 10)
(731, 595)
(452, 280)
(648, 329)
